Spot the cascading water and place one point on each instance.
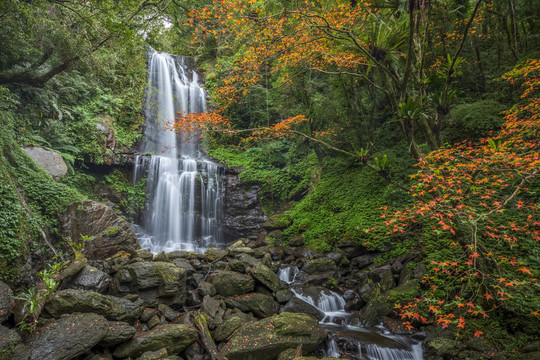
(370, 345)
(184, 204)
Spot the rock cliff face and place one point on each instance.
(242, 213)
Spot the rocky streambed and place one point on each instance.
(136, 305)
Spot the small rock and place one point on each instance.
(145, 254)
(148, 313)
(169, 313)
(8, 340)
(91, 279)
(118, 333)
(161, 256)
(276, 253)
(236, 265)
(154, 321)
(50, 161)
(206, 288)
(154, 355)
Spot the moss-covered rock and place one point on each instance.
(154, 282)
(174, 338)
(267, 338)
(230, 283)
(117, 333)
(8, 340)
(231, 324)
(265, 276)
(260, 305)
(68, 338)
(280, 221)
(113, 308)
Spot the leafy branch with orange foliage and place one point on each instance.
(479, 207)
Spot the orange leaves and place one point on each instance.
(474, 198)
(525, 270)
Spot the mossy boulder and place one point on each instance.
(8, 340)
(112, 308)
(230, 283)
(118, 333)
(68, 338)
(276, 222)
(155, 282)
(213, 254)
(318, 266)
(6, 301)
(267, 338)
(265, 276)
(231, 324)
(174, 338)
(260, 305)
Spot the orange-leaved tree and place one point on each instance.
(477, 205)
(385, 47)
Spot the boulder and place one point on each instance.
(212, 308)
(319, 266)
(169, 313)
(230, 325)
(205, 288)
(108, 232)
(230, 283)
(91, 279)
(383, 276)
(113, 308)
(173, 337)
(6, 301)
(68, 338)
(265, 276)
(260, 305)
(154, 355)
(155, 282)
(363, 261)
(267, 338)
(184, 264)
(49, 161)
(8, 340)
(213, 254)
(295, 305)
(118, 333)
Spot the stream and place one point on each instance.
(357, 342)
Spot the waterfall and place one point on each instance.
(288, 274)
(184, 205)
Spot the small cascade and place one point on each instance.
(375, 352)
(331, 349)
(185, 193)
(288, 274)
(362, 343)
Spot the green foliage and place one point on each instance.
(474, 120)
(275, 167)
(132, 197)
